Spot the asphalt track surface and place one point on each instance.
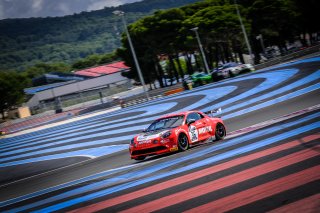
(85, 166)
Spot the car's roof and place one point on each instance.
(176, 114)
(230, 64)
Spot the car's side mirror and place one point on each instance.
(190, 121)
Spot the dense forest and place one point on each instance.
(25, 42)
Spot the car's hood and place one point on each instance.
(150, 135)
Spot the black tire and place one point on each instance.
(231, 74)
(245, 71)
(220, 131)
(140, 158)
(183, 142)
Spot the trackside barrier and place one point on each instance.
(170, 92)
(139, 101)
(286, 58)
(11, 127)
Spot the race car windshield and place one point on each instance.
(166, 123)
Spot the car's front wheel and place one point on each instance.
(231, 74)
(183, 142)
(220, 131)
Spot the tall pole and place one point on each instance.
(244, 32)
(259, 37)
(201, 49)
(121, 13)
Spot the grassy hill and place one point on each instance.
(25, 42)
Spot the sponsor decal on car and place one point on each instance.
(193, 133)
(145, 138)
(173, 149)
(144, 142)
(205, 129)
(177, 131)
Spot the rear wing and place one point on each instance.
(214, 111)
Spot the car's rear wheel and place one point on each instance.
(140, 158)
(220, 131)
(231, 74)
(183, 142)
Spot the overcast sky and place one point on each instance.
(44, 8)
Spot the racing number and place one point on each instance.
(193, 133)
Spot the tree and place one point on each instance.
(94, 60)
(219, 29)
(275, 20)
(153, 36)
(11, 90)
(43, 68)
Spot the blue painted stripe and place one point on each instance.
(66, 147)
(274, 101)
(18, 149)
(309, 60)
(72, 183)
(63, 126)
(74, 128)
(303, 81)
(90, 153)
(150, 170)
(272, 79)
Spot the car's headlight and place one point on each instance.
(132, 142)
(166, 134)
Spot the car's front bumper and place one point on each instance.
(139, 150)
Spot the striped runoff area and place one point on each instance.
(259, 169)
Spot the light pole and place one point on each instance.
(244, 32)
(121, 14)
(195, 29)
(259, 37)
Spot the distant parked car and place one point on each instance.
(229, 70)
(271, 52)
(200, 78)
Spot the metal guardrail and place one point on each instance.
(286, 58)
(139, 101)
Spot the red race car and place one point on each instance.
(176, 132)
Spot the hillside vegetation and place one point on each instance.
(25, 42)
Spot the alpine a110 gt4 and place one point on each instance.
(177, 132)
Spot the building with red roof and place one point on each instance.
(105, 69)
(104, 77)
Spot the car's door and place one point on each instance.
(206, 127)
(197, 123)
